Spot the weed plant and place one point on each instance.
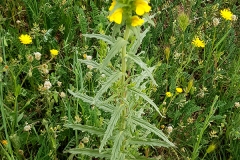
(75, 84)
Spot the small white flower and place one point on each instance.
(27, 128)
(215, 22)
(37, 55)
(62, 95)
(59, 83)
(85, 140)
(169, 129)
(47, 85)
(234, 17)
(89, 57)
(103, 75)
(237, 104)
(90, 67)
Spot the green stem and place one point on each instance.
(206, 123)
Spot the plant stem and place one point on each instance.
(206, 123)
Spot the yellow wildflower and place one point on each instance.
(142, 7)
(116, 16)
(54, 52)
(179, 90)
(136, 21)
(198, 43)
(4, 142)
(168, 94)
(112, 5)
(211, 148)
(25, 39)
(226, 14)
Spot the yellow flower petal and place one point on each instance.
(112, 5)
(25, 39)
(136, 21)
(54, 52)
(142, 7)
(226, 14)
(116, 16)
(198, 43)
(179, 90)
(168, 94)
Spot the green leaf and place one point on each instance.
(112, 123)
(117, 145)
(139, 79)
(114, 50)
(151, 128)
(89, 152)
(86, 128)
(138, 42)
(149, 142)
(96, 65)
(85, 98)
(110, 80)
(146, 98)
(105, 38)
(148, 19)
(143, 65)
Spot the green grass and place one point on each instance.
(198, 119)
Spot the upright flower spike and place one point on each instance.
(116, 16)
(226, 14)
(142, 7)
(198, 43)
(136, 21)
(25, 39)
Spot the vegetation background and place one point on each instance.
(203, 121)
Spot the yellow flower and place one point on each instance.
(112, 5)
(54, 52)
(136, 21)
(226, 14)
(25, 39)
(116, 16)
(198, 43)
(211, 148)
(179, 90)
(168, 94)
(4, 142)
(142, 7)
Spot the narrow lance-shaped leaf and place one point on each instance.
(105, 38)
(89, 152)
(138, 60)
(149, 142)
(96, 65)
(85, 98)
(110, 80)
(86, 128)
(145, 97)
(114, 50)
(112, 123)
(117, 145)
(153, 129)
(138, 42)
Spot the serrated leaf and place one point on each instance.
(85, 98)
(105, 38)
(96, 65)
(110, 80)
(138, 42)
(117, 145)
(146, 98)
(114, 50)
(86, 128)
(144, 124)
(149, 142)
(139, 79)
(89, 152)
(143, 65)
(148, 19)
(112, 123)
